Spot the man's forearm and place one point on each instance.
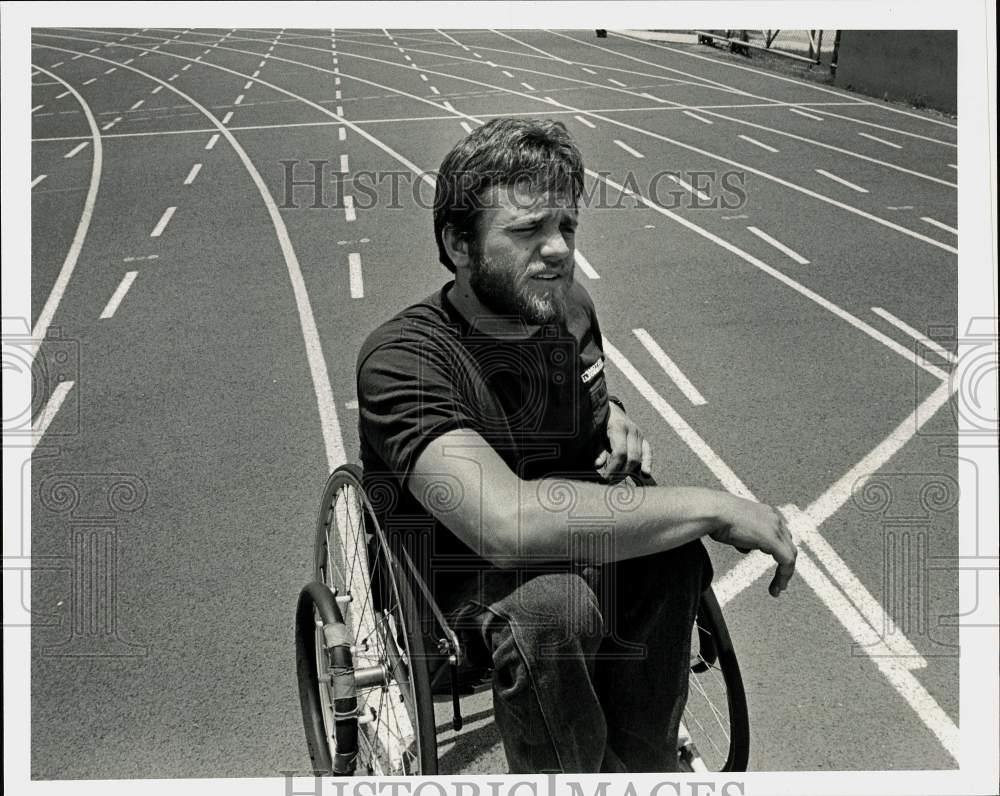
(559, 519)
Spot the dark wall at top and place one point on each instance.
(918, 66)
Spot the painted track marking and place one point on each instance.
(925, 341)
(842, 181)
(935, 223)
(356, 278)
(116, 298)
(779, 246)
(755, 142)
(44, 419)
(670, 367)
(629, 149)
(162, 223)
(192, 174)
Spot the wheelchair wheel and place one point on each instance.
(393, 724)
(715, 728)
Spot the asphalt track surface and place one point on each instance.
(220, 382)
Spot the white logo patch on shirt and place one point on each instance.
(592, 371)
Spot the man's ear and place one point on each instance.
(458, 246)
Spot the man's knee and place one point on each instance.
(552, 611)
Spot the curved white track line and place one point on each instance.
(332, 437)
(69, 264)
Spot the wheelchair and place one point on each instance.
(373, 649)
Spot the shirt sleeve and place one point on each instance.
(408, 395)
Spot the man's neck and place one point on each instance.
(483, 319)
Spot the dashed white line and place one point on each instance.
(349, 213)
(647, 95)
(588, 71)
(256, 73)
(38, 179)
(185, 67)
(701, 119)
(357, 281)
(812, 116)
(616, 82)
(112, 123)
(41, 423)
(144, 53)
(118, 295)
(670, 367)
(337, 94)
(126, 63)
(781, 247)
(629, 149)
(37, 108)
(88, 82)
(925, 341)
(449, 106)
(192, 174)
(423, 77)
(934, 222)
(247, 85)
(57, 64)
(755, 142)
(173, 77)
(953, 166)
(343, 164)
(156, 90)
(880, 140)
(689, 187)
(162, 223)
(109, 71)
(434, 90)
(842, 181)
(407, 58)
(137, 105)
(466, 126)
(76, 149)
(584, 265)
(64, 94)
(228, 117)
(239, 100)
(505, 72)
(262, 64)
(340, 110)
(528, 86)
(342, 134)
(585, 122)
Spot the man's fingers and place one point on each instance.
(634, 449)
(786, 568)
(600, 460)
(647, 458)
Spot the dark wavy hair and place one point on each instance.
(535, 153)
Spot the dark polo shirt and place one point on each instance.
(541, 402)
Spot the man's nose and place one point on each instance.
(555, 248)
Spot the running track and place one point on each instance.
(776, 347)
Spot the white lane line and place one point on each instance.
(76, 149)
(162, 223)
(670, 367)
(192, 174)
(529, 46)
(57, 64)
(466, 126)
(689, 187)
(649, 96)
(528, 87)
(173, 77)
(226, 119)
(255, 73)
(755, 142)
(953, 166)
(584, 265)
(340, 110)
(41, 423)
(342, 134)
(828, 305)
(137, 105)
(423, 77)
(354, 405)
(585, 122)
(247, 85)
(343, 164)
(357, 281)
(349, 214)
(156, 90)
(239, 100)
(588, 71)
(880, 140)
(336, 81)
(112, 123)
(185, 67)
(434, 90)
(88, 82)
(779, 246)
(701, 119)
(449, 106)
(144, 53)
(812, 116)
(262, 64)
(449, 36)
(616, 82)
(629, 149)
(842, 181)
(505, 72)
(38, 179)
(127, 62)
(477, 55)
(37, 108)
(925, 341)
(729, 480)
(118, 295)
(337, 94)
(939, 225)
(109, 71)
(407, 58)
(64, 94)
(76, 56)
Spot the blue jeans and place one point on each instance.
(590, 664)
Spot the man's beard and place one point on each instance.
(495, 285)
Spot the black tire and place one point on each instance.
(716, 716)
(382, 617)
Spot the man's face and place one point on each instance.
(522, 262)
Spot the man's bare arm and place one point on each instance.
(510, 522)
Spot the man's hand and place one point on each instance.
(629, 449)
(749, 525)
